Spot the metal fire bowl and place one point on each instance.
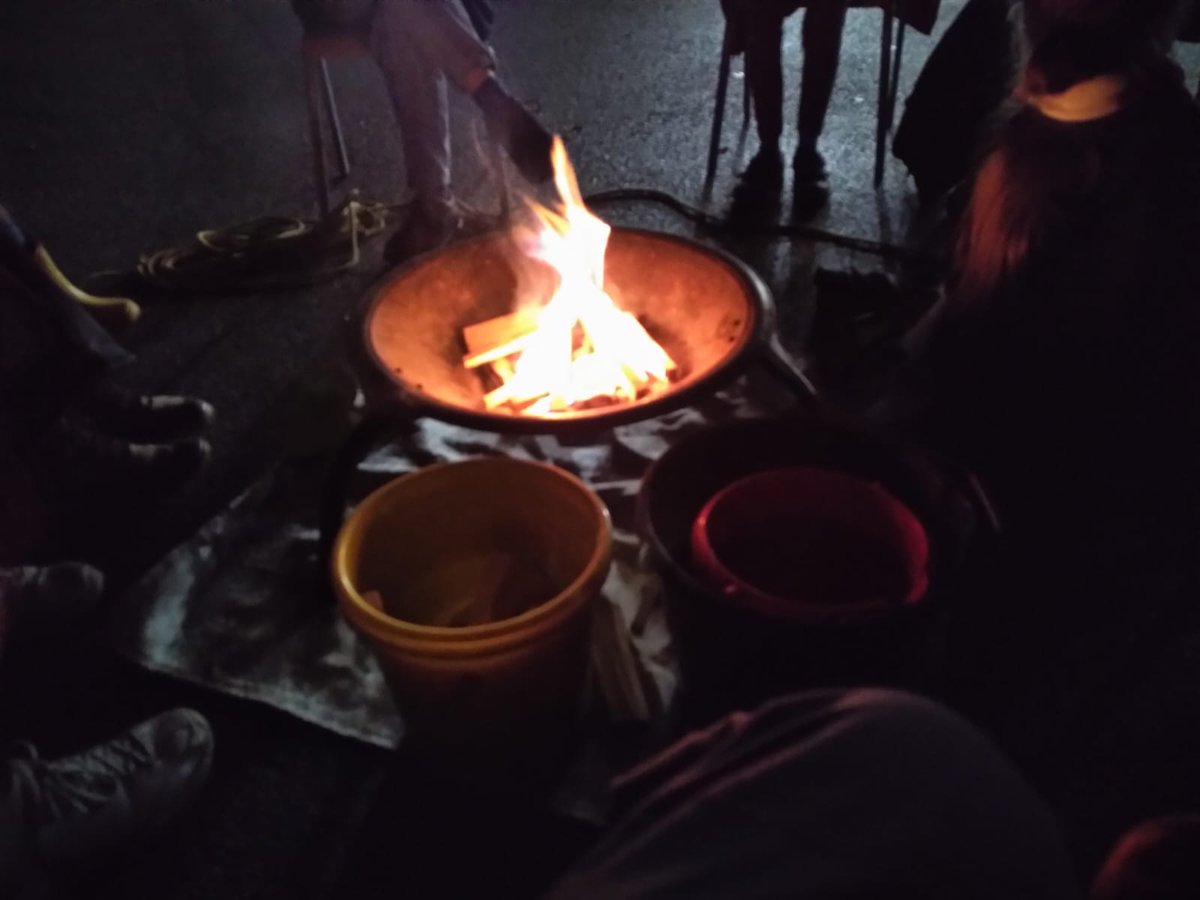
(706, 308)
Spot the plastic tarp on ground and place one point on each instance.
(244, 608)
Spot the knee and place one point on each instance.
(897, 719)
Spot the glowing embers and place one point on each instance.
(568, 346)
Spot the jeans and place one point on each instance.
(419, 45)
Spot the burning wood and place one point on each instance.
(579, 350)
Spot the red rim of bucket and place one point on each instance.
(905, 532)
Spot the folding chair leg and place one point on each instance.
(496, 160)
(897, 61)
(746, 104)
(314, 133)
(714, 142)
(335, 122)
(885, 75)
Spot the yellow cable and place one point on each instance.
(111, 310)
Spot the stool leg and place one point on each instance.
(885, 74)
(314, 134)
(335, 122)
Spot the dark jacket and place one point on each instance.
(1073, 388)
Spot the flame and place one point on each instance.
(584, 348)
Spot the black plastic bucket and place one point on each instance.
(734, 655)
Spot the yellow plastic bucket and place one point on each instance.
(486, 571)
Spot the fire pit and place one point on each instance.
(562, 321)
(707, 311)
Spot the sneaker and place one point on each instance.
(39, 598)
(810, 182)
(430, 226)
(146, 418)
(79, 457)
(515, 128)
(84, 807)
(426, 228)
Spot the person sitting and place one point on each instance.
(65, 424)
(1063, 345)
(758, 30)
(419, 45)
(1059, 362)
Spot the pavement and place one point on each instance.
(126, 127)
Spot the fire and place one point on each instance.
(579, 349)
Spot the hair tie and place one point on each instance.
(1086, 101)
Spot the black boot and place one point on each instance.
(810, 184)
(80, 461)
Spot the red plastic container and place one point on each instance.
(803, 544)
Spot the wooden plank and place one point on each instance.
(517, 345)
(484, 336)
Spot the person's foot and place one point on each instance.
(426, 227)
(756, 195)
(41, 598)
(85, 807)
(810, 182)
(77, 457)
(515, 128)
(146, 418)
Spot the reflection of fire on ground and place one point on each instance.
(574, 349)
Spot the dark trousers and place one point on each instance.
(829, 794)
(50, 346)
(50, 349)
(762, 24)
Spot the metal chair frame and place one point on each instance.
(891, 53)
(315, 51)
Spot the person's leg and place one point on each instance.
(451, 41)
(420, 44)
(863, 793)
(764, 68)
(67, 343)
(757, 193)
(60, 413)
(822, 40)
(417, 87)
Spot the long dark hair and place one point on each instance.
(1016, 202)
